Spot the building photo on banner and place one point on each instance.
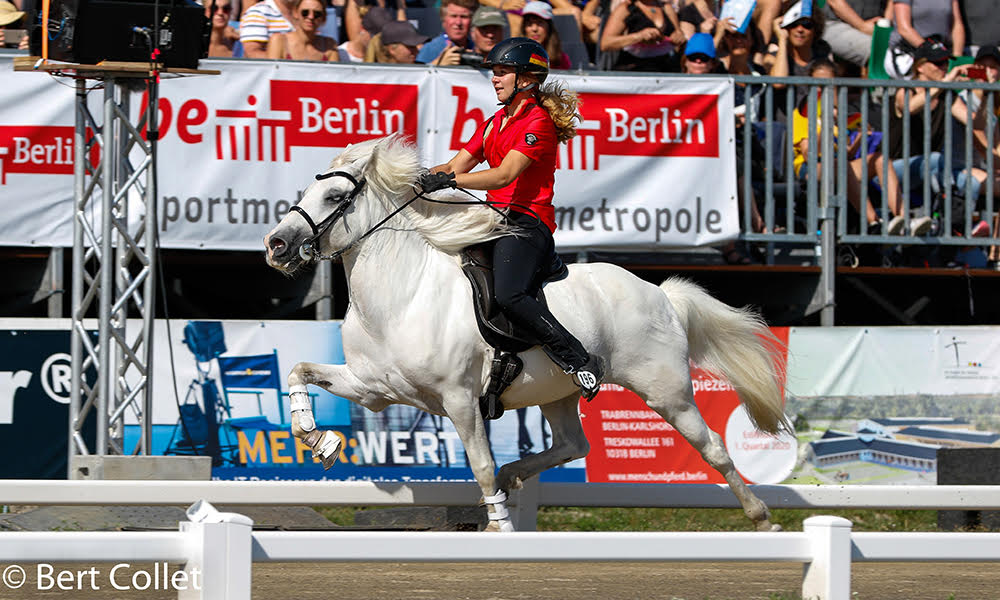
(237, 150)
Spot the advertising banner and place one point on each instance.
(874, 404)
(652, 165)
(629, 442)
(35, 387)
(220, 389)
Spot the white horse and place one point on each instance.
(410, 335)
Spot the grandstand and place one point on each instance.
(931, 278)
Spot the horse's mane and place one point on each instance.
(391, 179)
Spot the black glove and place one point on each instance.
(432, 182)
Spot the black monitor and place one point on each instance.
(91, 31)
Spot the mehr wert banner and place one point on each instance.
(652, 165)
(240, 369)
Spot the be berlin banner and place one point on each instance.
(652, 165)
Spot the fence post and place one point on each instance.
(828, 576)
(524, 506)
(220, 563)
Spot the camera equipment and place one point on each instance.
(471, 59)
(90, 31)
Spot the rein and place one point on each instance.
(309, 248)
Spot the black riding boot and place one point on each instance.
(569, 355)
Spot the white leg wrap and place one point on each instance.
(306, 421)
(500, 514)
(299, 402)
(298, 398)
(329, 446)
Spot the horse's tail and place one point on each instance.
(736, 344)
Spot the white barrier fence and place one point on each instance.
(218, 549)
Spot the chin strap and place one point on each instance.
(517, 90)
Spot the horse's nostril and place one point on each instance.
(276, 244)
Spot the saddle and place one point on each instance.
(506, 338)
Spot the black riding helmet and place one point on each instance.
(525, 55)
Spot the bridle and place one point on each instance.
(309, 248)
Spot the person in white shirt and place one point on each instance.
(260, 22)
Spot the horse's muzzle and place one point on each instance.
(281, 254)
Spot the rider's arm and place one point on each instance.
(498, 177)
(463, 162)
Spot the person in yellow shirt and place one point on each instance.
(824, 69)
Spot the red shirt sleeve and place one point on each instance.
(538, 137)
(475, 145)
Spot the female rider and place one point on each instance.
(520, 144)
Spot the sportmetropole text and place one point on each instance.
(123, 577)
(231, 210)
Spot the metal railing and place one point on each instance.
(805, 206)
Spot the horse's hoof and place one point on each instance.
(516, 484)
(768, 526)
(325, 445)
(502, 526)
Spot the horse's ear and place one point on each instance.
(373, 159)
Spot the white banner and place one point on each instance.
(890, 361)
(651, 168)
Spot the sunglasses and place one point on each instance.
(803, 23)
(315, 14)
(699, 58)
(226, 8)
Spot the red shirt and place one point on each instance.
(532, 133)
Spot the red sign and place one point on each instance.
(334, 115)
(629, 442)
(624, 125)
(35, 149)
(299, 113)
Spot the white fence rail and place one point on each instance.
(218, 549)
(417, 493)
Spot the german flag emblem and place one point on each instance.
(538, 59)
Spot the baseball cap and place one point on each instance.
(931, 50)
(487, 15)
(375, 19)
(794, 14)
(989, 51)
(539, 9)
(402, 32)
(700, 43)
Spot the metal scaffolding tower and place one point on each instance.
(114, 265)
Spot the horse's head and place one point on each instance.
(334, 211)
(361, 192)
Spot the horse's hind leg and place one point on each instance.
(568, 443)
(674, 401)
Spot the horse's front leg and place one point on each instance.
(336, 379)
(464, 414)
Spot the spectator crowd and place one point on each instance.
(924, 41)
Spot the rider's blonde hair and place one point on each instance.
(562, 105)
